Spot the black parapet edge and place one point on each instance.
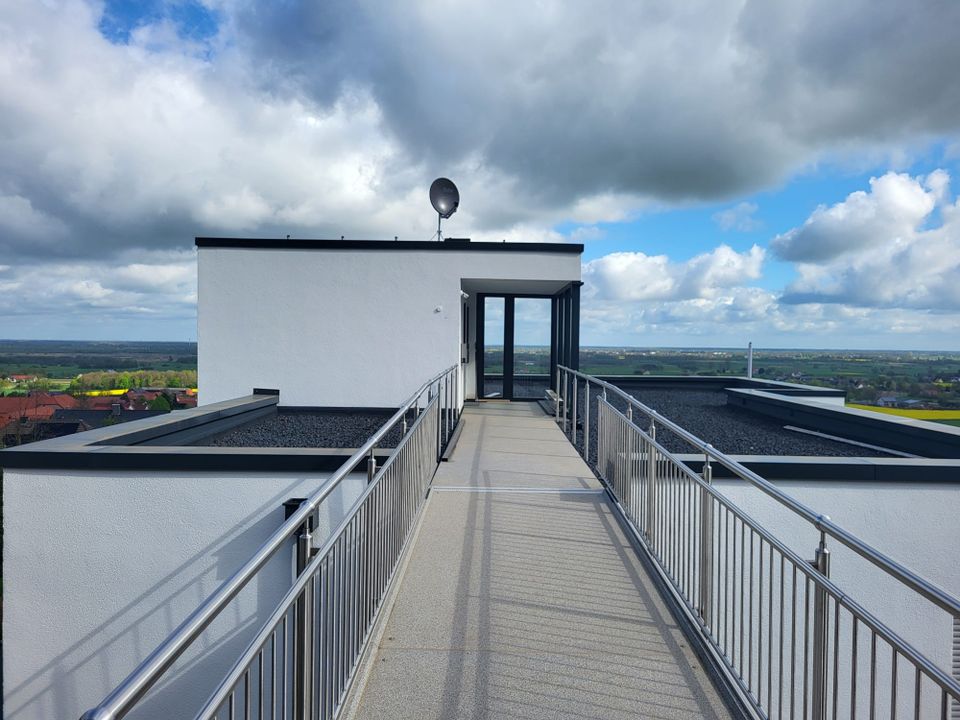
(721, 382)
(144, 445)
(461, 245)
(919, 437)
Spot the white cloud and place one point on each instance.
(876, 249)
(636, 276)
(739, 217)
(894, 207)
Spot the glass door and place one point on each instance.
(531, 348)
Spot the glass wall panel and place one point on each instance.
(493, 341)
(531, 353)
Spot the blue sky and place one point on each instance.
(192, 20)
(767, 172)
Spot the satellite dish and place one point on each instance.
(444, 197)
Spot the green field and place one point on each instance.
(67, 359)
(927, 377)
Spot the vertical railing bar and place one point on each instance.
(893, 690)
(726, 584)
(750, 619)
(760, 624)
(260, 689)
(873, 674)
(853, 666)
(836, 655)
(783, 607)
(793, 641)
(916, 695)
(282, 686)
(273, 675)
(770, 629)
(738, 612)
(806, 643)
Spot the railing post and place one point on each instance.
(556, 404)
(821, 630)
(303, 650)
(706, 546)
(573, 417)
(439, 432)
(372, 462)
(586, 422)
(449, 408)
(566, 395)
(651, 484)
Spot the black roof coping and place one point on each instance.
(453, 244)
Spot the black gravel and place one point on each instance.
(731, 430)
(313, 429)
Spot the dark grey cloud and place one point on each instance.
(673, 101)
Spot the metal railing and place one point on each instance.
(526, 386)
(789, 639)
(301, 662)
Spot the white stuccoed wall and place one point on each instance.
(100, 567)
(913, 523)
(353, 328)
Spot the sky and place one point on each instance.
(785, 173)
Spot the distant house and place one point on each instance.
(21, 431)
(186, 399)
(22, 378)
(34, 406)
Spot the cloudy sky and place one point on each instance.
(781, 172)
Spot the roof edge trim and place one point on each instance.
(409, 245)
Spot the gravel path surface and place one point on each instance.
(318, 430)
(730, 430)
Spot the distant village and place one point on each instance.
(40, 414)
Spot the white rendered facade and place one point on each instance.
(352, 327)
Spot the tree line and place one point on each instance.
(134, 380)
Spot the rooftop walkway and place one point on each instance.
(523, 598)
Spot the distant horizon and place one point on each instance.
(743, 348)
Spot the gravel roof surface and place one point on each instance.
(317, 430)
(731, 430)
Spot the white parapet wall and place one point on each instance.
(360, 325)
(100, 566)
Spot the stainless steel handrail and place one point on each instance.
(241, 667)
(689, 530)
(122, 699)
(938, 596)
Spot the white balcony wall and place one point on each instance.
(99, 567)
(343, 328)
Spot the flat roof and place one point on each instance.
(448, 245)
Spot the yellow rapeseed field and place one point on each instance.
(915, 414)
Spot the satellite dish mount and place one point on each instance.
(445, 199)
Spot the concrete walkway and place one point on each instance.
(522, 597)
